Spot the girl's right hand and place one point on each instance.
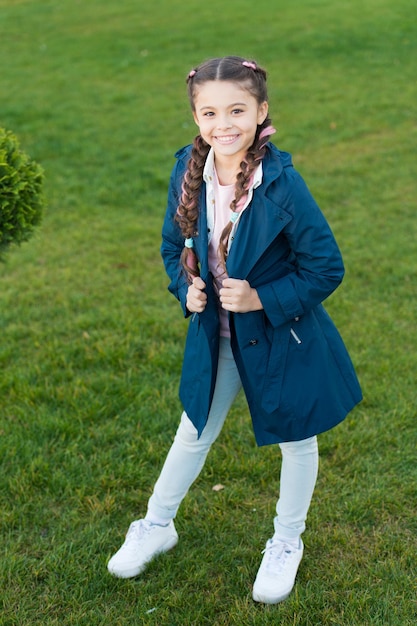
(196, 298)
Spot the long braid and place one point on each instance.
(253, 157)
(188, 208)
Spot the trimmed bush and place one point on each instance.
(21, 197)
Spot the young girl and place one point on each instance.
(250, 258)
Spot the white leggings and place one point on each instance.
(187, 455)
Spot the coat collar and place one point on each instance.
(262, 221)
(259, 226)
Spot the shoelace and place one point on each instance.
(137, 530)
(278, 553)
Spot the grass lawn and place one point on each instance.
(91, 342)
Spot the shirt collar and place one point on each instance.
(208, 172)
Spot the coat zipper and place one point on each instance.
(296, 337)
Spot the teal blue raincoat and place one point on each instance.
(295, 370)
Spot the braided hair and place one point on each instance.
(253, 78)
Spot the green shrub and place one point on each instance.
(21, 197)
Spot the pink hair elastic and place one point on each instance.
(266, 132)
(192, 73)
(250, 65)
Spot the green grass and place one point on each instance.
(91, 342)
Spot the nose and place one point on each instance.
(224, 122)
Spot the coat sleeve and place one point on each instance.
(316, 267)
(173, 241)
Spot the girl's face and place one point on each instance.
(227, 116)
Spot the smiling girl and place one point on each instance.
(251, 258)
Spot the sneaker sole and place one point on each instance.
(258, 597)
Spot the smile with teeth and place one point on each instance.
(225, 139)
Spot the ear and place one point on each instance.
(262, 112)
(195, 118)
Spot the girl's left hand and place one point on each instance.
(238, 296)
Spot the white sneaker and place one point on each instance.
(276, 575)
(143, 542)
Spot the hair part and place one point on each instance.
(248, 74)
